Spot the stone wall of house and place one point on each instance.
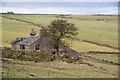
(15, 46)
(27, 47)
(32, 46)
(45, 42)
(46, 45)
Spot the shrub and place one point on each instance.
(67, 58)
(80, 61)
(26, 55)
(36, 56)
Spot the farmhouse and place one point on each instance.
(42, 43)
(10, 12)
(33, 42)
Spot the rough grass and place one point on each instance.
(108, 57)
(57, 69)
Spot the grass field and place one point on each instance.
(57, 69)
(89, 29)
(105, 32)
(83, 46)
(12, 29)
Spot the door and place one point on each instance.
(22, 47)
(37, 47)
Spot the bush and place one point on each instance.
(80, 61)
(26, 55)
(67, 58)
(36, 56)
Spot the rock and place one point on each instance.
(101, 68)
(32, 74)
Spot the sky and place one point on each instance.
(59, 0)
(75, 8)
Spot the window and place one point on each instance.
(22, 47)
(37, 47)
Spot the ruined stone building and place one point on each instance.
(42, 43)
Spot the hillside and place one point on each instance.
(100, 29)
(57, 69)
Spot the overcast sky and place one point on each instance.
(59, 0)
(76, 8)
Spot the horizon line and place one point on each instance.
(54, 14)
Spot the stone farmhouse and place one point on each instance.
(41, 43)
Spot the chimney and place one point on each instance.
(43, 32)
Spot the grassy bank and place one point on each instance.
(57, 69)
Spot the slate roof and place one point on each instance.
(25, 40)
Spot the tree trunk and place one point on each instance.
(57, 47)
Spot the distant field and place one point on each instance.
(38, 19)
(83, 46)
(12, 29)
(93, 17)
(105, 32)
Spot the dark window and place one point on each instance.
(37, 47)
(53, 53)
(22, 46)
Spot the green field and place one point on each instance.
(12, 29)
(83, 46)
(89, 29)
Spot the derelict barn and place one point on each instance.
(42, 43)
